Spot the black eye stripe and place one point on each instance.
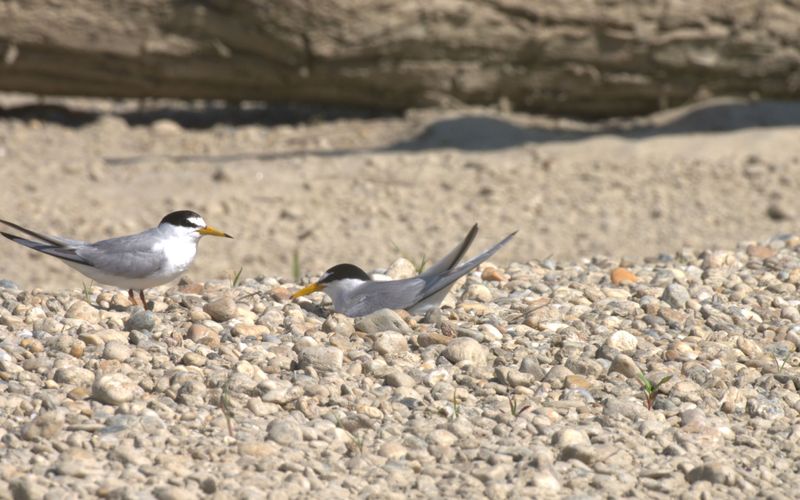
(342, 272)
(181, 218)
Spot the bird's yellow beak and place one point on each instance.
(210, 231)
(313, 287)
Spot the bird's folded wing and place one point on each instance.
(374, 295)
(450, 260)
(123, 262)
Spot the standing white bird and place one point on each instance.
(354, 293)
(135, 262)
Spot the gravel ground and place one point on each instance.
(524, 385)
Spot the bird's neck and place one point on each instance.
(179, 251)
(341, 292)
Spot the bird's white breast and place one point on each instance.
(178, 254)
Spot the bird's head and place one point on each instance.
(191, 224)
(341, 275)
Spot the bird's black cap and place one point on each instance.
(343, 272)
(185, 218)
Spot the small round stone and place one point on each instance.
(285, 432)
(390, 342)
(114, 389)
(141, 320)
(222, 309)
(465, 349)
(116, 350)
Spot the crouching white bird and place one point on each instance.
(135, 262)
(354, 293)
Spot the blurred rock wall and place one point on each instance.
(581, 57)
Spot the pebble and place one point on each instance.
(676, 295)
(339, 324)
(399, 379)
(625, 365)
(222, 309)
(442, 437)
(557, 376)
(45, 426)
(570, 437)
(141, 320)
(245, 330)
(577, 382)
(27, 488)
(715, 473)
(324, 359)
(114, 389)
(116, 350)
(84, 311)
(532, 394)
(393, 450)
(390, 343)
(465, 349)
(401, 269)
(620, 275)
(545, 481)
(74, 375)
(492, 274)
(285, 432)
(380, 321)
(8, 284)
(193, 359)
(172, 493)
(433, 338)
(478, 292)
(165, 126)
(622, 341)
(203, 335)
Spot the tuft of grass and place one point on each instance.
(358, 442)
(651, 389)
(87, 291)
(226, 406)
(296, 274)
(456, 407)
(513, 405)
(419, 265)
(236, 277)
(780, 363)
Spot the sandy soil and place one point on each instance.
(368, 190)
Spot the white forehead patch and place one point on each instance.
(197, 221)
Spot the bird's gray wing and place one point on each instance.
(127, 256)
(52, 240)
(450, 260)
(436, 284)
(374, 295)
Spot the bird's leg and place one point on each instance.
(132, 296)
(144, 302)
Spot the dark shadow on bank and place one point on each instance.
(486, 133)
(192, 116)
(469, 132)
